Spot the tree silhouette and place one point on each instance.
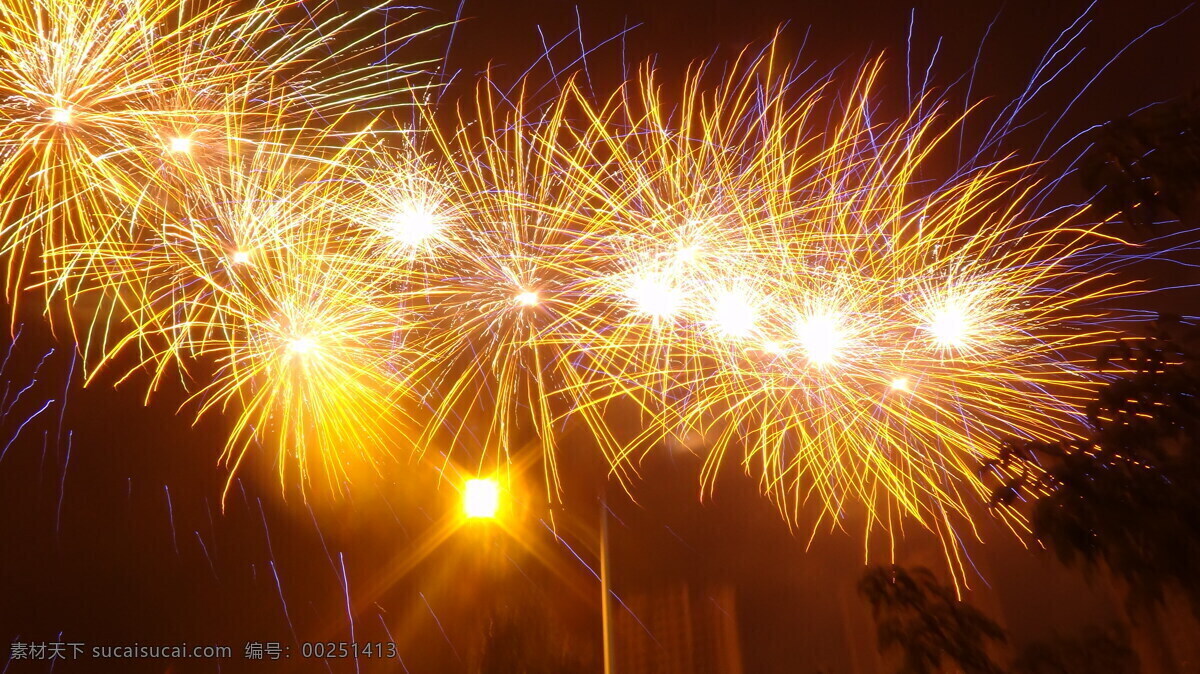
(1126, 495)
(1146, 167)
(1096, 650)
(925, 621)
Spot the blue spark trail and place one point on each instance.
(282, 601)
(392, 639)
(62, 488)
(439, 624)
(22, 427)
(171, 519)
(349, 611)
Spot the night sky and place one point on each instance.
(112, 521)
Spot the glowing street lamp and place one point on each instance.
(481, 498)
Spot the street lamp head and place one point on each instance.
(481, 498)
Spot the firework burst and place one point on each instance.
(96, 96)
(751, 260)
(497, 269)
(815, 302)
(247, 289)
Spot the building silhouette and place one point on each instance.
(677, 629)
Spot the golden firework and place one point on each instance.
(814, 301)
(96, 96)
(246, 286)
(815, 292)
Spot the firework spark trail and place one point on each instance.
(62, 486)
(345, 582)
(797, 294)
(392, 639)
(207, 558)
(11, 408)
(438, 622)
(283, 602)
(171, 520)
(96, 95)
(790, 291)
(258, 278)
(759, 260)
(502, 292)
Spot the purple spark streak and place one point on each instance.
(22, 427)
(439, 624)
(349, 612)
(321, 537)
(204, 549)
(392, 639)
(282, 601)
(171, 519)
(62, 486)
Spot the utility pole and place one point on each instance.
(605, 611)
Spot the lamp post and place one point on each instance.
(481, 498)
(605, 610)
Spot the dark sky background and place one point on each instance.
(111, 522)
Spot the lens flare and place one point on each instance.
(481, 498)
